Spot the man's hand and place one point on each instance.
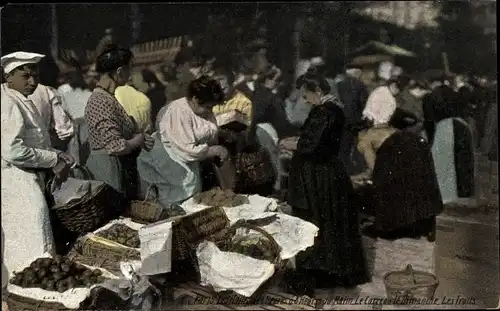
(66, 158)
(63, 167)
(148, 142)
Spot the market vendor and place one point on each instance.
(187, 136)
(27, 160)
(320, 192)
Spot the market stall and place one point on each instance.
(234, 244)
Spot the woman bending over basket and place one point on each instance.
(113, 135)
(320, 192)
(187, 137)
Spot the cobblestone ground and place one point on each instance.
(467, 254)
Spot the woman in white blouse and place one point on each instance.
(187, 135)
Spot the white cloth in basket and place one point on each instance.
(73, 189)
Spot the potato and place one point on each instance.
(87, 273)
(65, 267)
(88, 282)
(46, 262)
(58, 276)
(51, 283)
(54, 269)
(62, 286)
(42, 273)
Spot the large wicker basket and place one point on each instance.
(410, 284)
(278, 263)
(208, 224)
(99, 299)
(91, 211)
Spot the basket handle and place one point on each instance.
(274, 244)
(409, 270)
(153, 188)
(85, 170)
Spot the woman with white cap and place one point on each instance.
(26, 159)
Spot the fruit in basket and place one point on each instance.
(255, 247)
(56, 274)
(220, 198)
(122, 234)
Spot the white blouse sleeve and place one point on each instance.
(176, 128)
(14, 150)
(62, 122)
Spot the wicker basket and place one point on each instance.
(188, 231)
(91, 211)
(112, 266)
(97, 247)
(99, 299)
(410, 284)
(149, 210)
(278, 263)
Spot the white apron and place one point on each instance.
(444, 160)
(26, 228)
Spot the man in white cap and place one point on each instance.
(27, 158)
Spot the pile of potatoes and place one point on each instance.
(220, 198)
(122, 234)
(56, 274)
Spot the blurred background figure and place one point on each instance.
(155, 93)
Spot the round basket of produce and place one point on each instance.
(57, 284)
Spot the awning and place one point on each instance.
(367, 60)
(377, 47)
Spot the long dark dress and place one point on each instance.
(320, 192)
(464, 158)
(406, 189)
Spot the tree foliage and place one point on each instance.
(468, 48)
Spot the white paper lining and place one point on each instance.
(231, 271)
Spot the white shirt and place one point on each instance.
(64, 88)
(49, 105)
(302, 67)
(25, 140)
(380, 105)
(185, 132)
(74, 102)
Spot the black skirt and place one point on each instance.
(321, 193)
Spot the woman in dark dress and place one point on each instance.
(320, 192)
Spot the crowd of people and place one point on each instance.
(410, 140)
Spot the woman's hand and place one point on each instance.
(219, 151)
(289, 143)
(148, 142)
